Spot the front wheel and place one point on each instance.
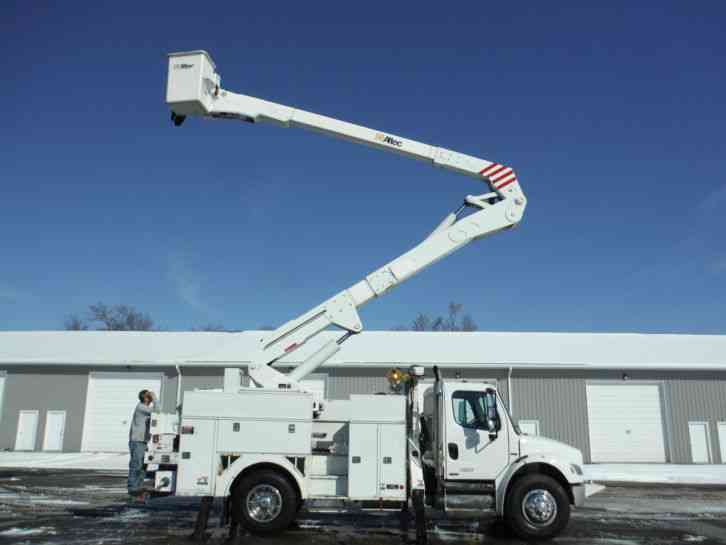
(264, 502)
(537, 507)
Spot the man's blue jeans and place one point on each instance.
(136, 467)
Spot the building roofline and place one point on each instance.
(497, 350)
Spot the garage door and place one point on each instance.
(110, 402)
(626, 423)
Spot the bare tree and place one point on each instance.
(453, 321)
(421, 323)
(468, 324)
(210, 327)
(74, 323)
(120, 318)
(111, 318)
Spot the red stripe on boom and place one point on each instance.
(501, 175)
(490, 168)
(491, 173)
(505, 184)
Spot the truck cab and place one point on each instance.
(474, 458)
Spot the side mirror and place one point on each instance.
(493, 429)
(494, 423)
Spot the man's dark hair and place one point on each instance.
(142, 394)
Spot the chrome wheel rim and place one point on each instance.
(539, 507)
(264, 503)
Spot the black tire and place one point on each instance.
(277, 499)
(524, 524)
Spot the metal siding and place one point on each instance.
(558, 400)
(343, 382)
(695, 396)
(44, 389)
(371, 380)
(192, 378)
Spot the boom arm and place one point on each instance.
(193, 88)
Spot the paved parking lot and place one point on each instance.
(76, 507)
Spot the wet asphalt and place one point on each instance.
(65, 507)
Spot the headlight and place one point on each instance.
(577, 470)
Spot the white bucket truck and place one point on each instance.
(271, 448)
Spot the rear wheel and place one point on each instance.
(537, 507)
(264, 502)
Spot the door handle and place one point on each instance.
(453, 451)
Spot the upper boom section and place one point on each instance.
(193, 88)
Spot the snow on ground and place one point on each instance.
(104, 461)
(19, 496)
(593, 488)
(25, 532)
(657, 473)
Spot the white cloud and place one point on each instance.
(186, 282)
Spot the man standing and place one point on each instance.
(138, 437)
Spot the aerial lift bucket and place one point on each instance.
(191, 84)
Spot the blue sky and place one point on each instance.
(613, 117)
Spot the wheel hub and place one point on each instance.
(264, 503)
(539, 507)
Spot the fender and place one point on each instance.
(224, 481)
(502, 483)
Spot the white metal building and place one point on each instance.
(617, 397)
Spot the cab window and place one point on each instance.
(470, 409)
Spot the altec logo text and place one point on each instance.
(388, 140)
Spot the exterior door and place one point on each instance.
(55, 427)
(27, 430)
(625, 422)
(700, 442)
(722, 440)
(469, 452)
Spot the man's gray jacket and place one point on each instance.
(139, 430)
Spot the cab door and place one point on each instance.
(472, 450)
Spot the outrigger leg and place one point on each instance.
(420, 517)
(200, 526)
